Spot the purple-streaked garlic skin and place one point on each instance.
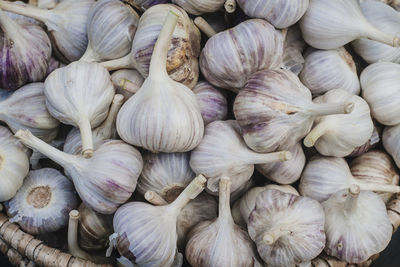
(127, 82)
(212, 101)
(369, 145)
(231, 56)
(53, 65)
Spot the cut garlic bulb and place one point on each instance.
(286, 228)
(223, 152)
(197, 7)
(127, 82)
(391, 142)
(43, 202)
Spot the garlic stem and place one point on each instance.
(380, 36)
(351, 200)
(10, 27)
(73, 246)
(330, 108)
(42, 15)
(205, 27)
(260, 158)
(274, 234)
(230, 6)
(125, 62)
(108, 125)
(28, 139)
(370, 186)
(316, 133)
(90, 55)
(128, 85)
(224, 208)
(155, 198)
(86, 135)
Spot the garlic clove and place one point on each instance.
(197, 7)
(127, 82)
(390, 140)
(43, 202)
(286, 228)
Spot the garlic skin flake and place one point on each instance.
(127, 82)
(197, 7)
(357, 225)
(286, 228)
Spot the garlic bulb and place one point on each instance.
(245, 205)
(183, 51)
(104, 181)
(330, 24)
(324, 176)
(280, 13)
(107, 130)
(379, 83)
(222, 152)
(213, 102)
(377, 167)
(146, 234)
(286, 228)
(80, 95)
(221, 242)
(357, 225)
(390, 140)
(370, 144)
(286, 172)
(126, 82)
(14, 164)
(43, 202)
(66, 24)
(164, 115)
(338, 135)
(275, 110)
(197, 7)
(327, 70)
(230, 57)
(20, 63)
(111, 27)
(26, 109)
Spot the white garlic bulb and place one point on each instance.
(197, 7)
(221, 242)
(327, 70)
(43, 202)
(380, 83)
(357, 225)
(286, 172)
(80, 95)
(391, 142)
(330, 24)
(14, 164)
(111, 27)
(103, 181)
(324, 176)
(223, 152)
(164, 115)
(126, 82)
(338, 135)
(286, 228)
(280, 13)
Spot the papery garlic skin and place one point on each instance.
(145, 4)
(280, 13)
(327, 70)
(286, 228)
(370, 144)
(391, 142)
(197, 7)
(43, 202)
(53, 65)
(48, 3)
(230, 57)
(127, 82)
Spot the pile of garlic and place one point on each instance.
(202, 133)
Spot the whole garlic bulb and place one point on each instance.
(280, 13)
(80, 94)
(197, 7)
(275, 110)
(213, 102)
(286, 228)
(330, 24)
(324, 176)
(43, 202)
(221, 242)
(338, 135)
(164, 115)
(26, 109)
(222, 152)
(14, 164)
(357, 225)
(127, 82)
(228, 58)
(111, 27)
(286, 172)
(103, 181)
(20, 63)
(331, 69)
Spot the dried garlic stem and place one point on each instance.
(224, 208)
(87, 139)
(191, 191)
(73, 246)
(155, 198)
(331, 108)
(230, 6)
(352, 198)
(108, 125)
(259, 158)
(315, 134)
(273, 235)
(125, 62)
(370, 186)
(204, 26)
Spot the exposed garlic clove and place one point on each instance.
(80, 95)
(370, 144)
(104, 181)
(223, 152)
(390, 140)
(280, 13)
(327, 70)
(164, 115)
(127, 82)
(330, 24)
(111, 27)
(338, 135)
(357, 225)
(213, 102)
(43, 202)
(221, 242)
(275, 110)
(197, 7)
(286, 228)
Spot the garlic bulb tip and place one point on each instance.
(74, 214)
